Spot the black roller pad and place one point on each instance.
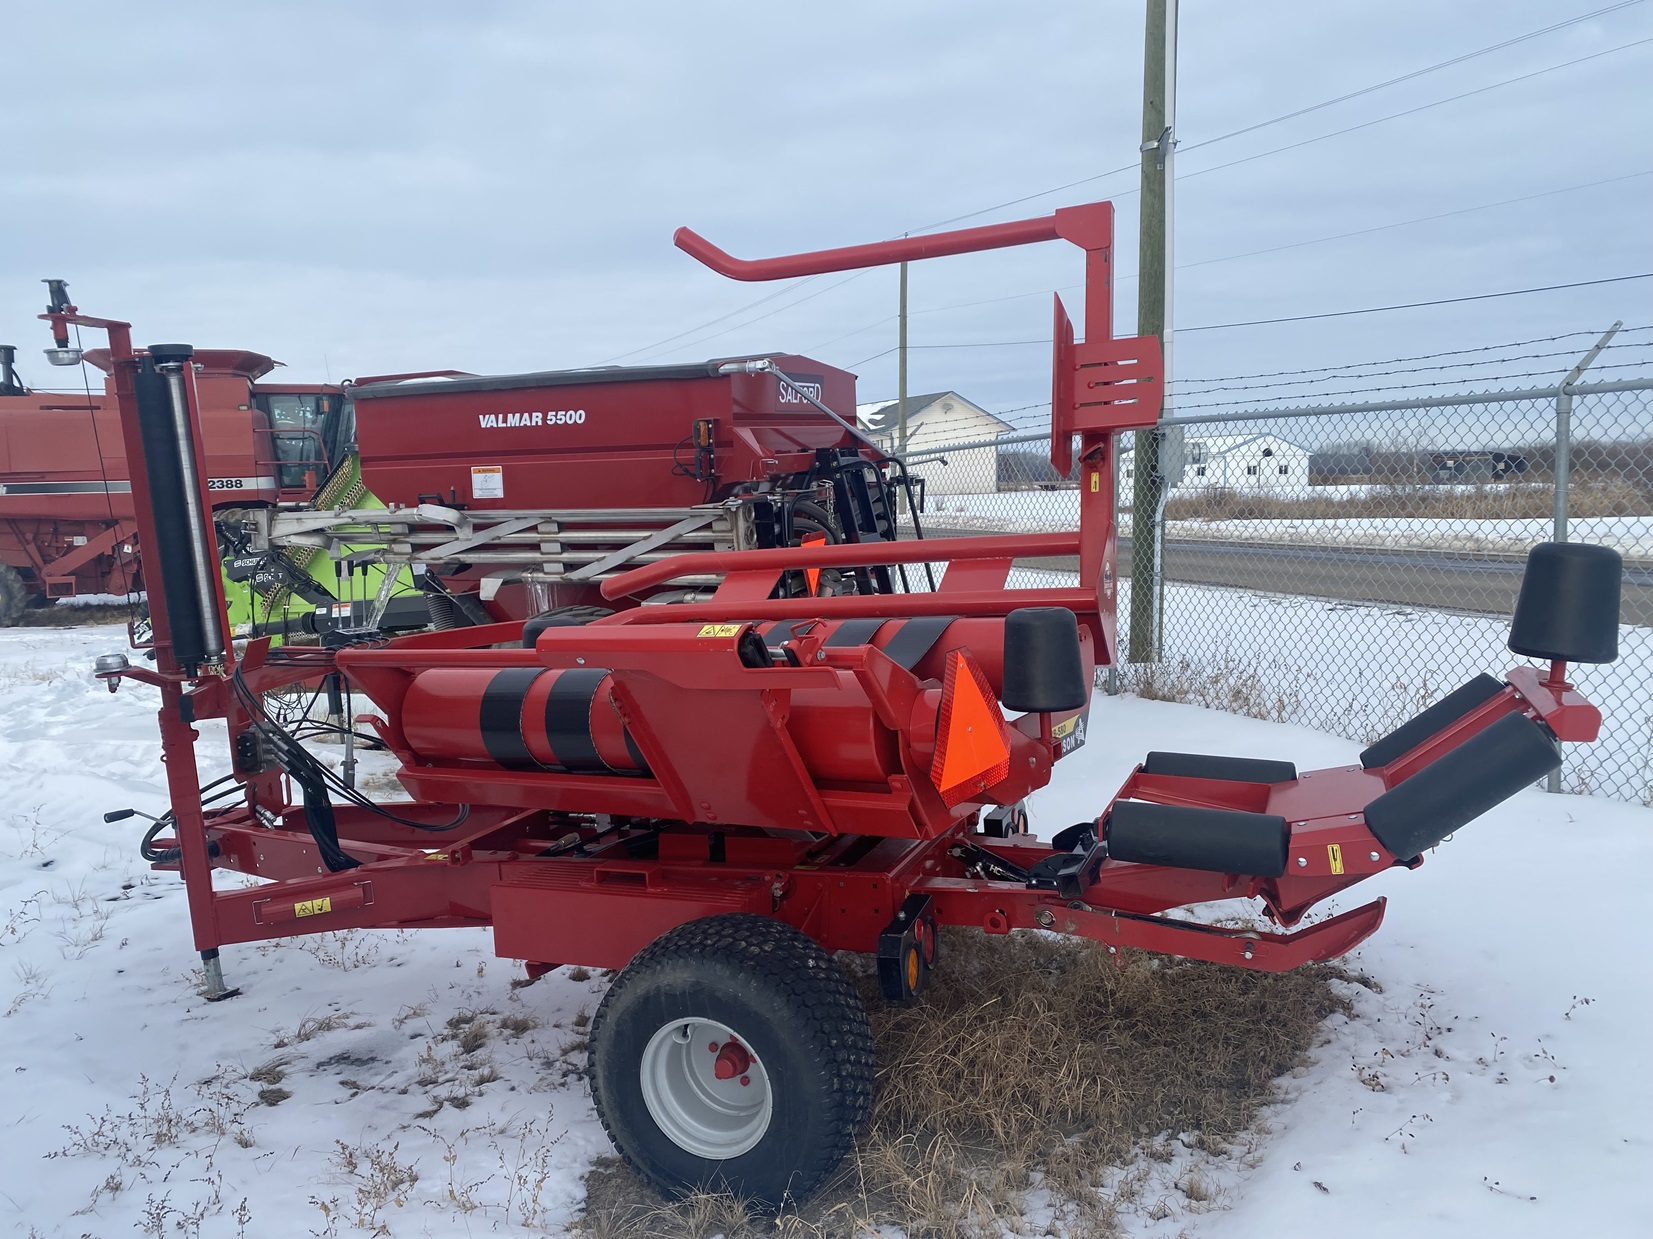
(1569, 603)
(1212, 840)
(1231, 769)
(1044, 667)
(1513, 753)
(1449, 709)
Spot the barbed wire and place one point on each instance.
(1391, 361)
(1391, 387)
(1181, 389)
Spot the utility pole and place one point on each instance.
(901, 372)
(1153, 318)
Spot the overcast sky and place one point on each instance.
(369, 187)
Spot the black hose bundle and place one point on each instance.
(316, 781)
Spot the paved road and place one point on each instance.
(1436, 579)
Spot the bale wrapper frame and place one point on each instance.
(713, 796)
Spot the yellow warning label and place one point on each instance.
(1334, 854)
(719, 630)
(1062, 729)
(313, 907)
(1096, 482)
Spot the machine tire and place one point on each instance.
(14, 596)
(780, 994)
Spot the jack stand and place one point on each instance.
(214, 991)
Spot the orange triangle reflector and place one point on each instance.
(972, 753)
(813, 575)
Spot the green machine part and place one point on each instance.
(274, 602)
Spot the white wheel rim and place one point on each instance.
(699, 1113)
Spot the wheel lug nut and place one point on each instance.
(745, 1080)
(713, 1047)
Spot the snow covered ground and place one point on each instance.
(1494, 1086)
(1044, 511)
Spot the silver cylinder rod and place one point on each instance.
(200, 534)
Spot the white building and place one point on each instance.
(1230, 462)
(935, 420)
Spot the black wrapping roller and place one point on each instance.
(1413, 732)
(1213, 840)
(1513, 753)
(1230, 769)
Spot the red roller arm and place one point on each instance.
(842, 555)
(878, 254)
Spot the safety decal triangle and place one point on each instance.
(972, 753)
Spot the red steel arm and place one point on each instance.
(878, 254)
(842, 555)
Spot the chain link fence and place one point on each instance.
(1344, 566)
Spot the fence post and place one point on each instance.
(1563, 469)
(1113, 660)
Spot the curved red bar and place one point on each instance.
(878, 254)
(844, 555)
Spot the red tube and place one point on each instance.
(878, 254)
(519, 718)
(845, 555)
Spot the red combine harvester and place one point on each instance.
(67, 521)
(715, 793)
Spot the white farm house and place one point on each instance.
(935, 420)
(1230, 462)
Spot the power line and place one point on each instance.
(1424, 107)
(1300, 318)
(1252, 128)
(1416, 73)
(1422, 219)
(1206, 262)
(779, 292)
(1395, 361)
(1215, 168)
(819, 292)
(1415, 305)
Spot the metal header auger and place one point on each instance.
(715, 793)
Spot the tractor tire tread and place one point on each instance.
(832, 1016)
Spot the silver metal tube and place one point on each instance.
(568, 537)
(521, 555)
(1563, 460)
(1563, 469)
(206, 590)
(1564, 430)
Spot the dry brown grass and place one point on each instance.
(1608, 497)
(73, 617)
(1230, 684)
(1030, 1061)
